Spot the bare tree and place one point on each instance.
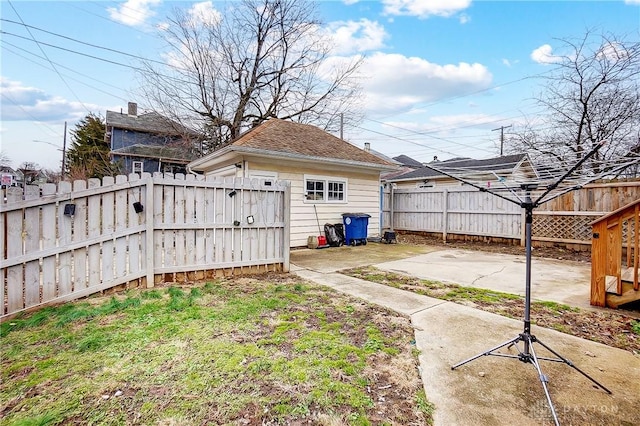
(5, 161)
(592, 96)
(257, 59)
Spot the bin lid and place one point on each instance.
(355, 215)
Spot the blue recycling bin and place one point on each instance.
(355, 228)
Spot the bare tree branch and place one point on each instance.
(593, 96)
(259, 59)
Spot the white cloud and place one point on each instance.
(350, 2)
(205, 13)
(133, 12)
(424, 8)
(613, 51)
(632, 1)
(464, 18)
(357, 36)
(544, 55)
(25, 103)
(395, 83)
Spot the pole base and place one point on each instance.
(528, 355)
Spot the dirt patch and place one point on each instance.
(612, 328)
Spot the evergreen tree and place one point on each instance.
(88, 155)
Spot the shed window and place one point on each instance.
(325, 189)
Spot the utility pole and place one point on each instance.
(501, 128)
(342, 125)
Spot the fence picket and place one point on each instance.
(122, 208)
(65, 277)
(79, 224)
(49, 278)
(31, 234)
(168, 220)
(179, 219)
(108, 228)
(200, 217)
(158, 240)
(190, 236)
(94, 212)
(15, 299)
(134, 219)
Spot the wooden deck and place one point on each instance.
(615, 254)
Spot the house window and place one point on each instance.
(137, 167)
(325, 189)
(336, 191)
(315, 190)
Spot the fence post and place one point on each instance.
(286, 207)
(445, 214)
(150, 247)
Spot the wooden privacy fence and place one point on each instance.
(467, 211)
(63, 242)
(455, 210)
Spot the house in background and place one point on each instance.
(517, 167)
(8, 177)
(149, 142)
(405, 163)
(328, 175)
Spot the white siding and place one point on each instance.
(363, 195)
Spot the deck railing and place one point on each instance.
(614, 274)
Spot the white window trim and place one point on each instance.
(326, 180)
(137, 163)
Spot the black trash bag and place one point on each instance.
(332, 237)
(340, 232)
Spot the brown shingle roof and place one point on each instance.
(297, 139)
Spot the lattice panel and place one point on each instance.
(563, 227)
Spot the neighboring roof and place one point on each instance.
(505, 164)
(408, 161)
(286, 139)
(385, 157)
(163, 152)
(151, 122)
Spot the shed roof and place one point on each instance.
(288, 139)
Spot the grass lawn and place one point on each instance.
(248, 351)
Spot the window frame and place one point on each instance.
(137, 163)
(325, 191)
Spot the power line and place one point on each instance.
(4, 46)
(47, 57)
(142, 70)
(85, 43)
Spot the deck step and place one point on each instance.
(628, 295)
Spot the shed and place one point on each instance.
(328, 175)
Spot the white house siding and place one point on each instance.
(363, 196)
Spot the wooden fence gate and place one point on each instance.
(63, 242)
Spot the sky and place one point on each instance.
(442, 77)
